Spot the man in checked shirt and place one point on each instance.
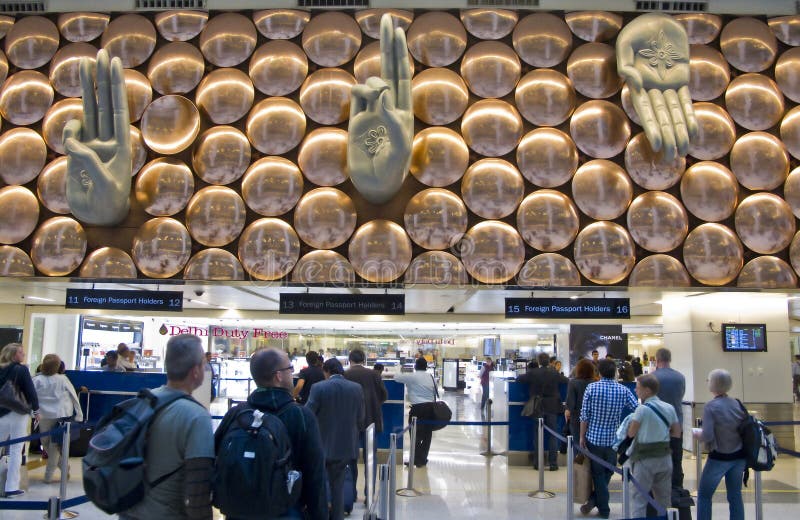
(605, 404)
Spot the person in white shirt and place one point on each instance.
(57, 402)
(421, 392)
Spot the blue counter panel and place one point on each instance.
(522, 430)
(393, 411)
(111, 381)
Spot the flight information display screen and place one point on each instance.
(738, 337)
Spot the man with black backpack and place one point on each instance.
(270, 462)
(179, 451)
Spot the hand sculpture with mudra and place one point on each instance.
(653, 58)
(99, 147)
(381, 126)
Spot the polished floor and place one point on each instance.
(459, 482)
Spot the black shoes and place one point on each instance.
(587, 507)
(553, 467)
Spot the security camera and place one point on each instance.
(199, 292)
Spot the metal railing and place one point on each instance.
(55, 506)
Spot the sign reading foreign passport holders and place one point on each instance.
(305, 303)
(567, 308)
(170, 301)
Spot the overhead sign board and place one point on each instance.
(569, 309)
(162, 301)
(306, 303)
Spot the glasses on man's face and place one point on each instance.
(290, 367)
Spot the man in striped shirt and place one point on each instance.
(605, 404)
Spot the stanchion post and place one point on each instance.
(369, 463)
(759, 497)
(698, 462)
(53, 509)
(409, 490)
(540, 493)
(570, 479)
(383, 492)
(672, 514)
(626, 492)
(65, 474)
(392, 475)
(489, 452)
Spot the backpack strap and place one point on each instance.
(435, 390)
(158, 406)
(659, 414)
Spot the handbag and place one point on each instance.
(582, 473)
(533, 407)
(12, 399)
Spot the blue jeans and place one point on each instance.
(601, 476)
(485, 396)
(713, 471)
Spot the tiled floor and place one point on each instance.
(460, 483)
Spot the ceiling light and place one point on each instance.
(573, 297)
(40, 299)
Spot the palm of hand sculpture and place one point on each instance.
(99, 148)
(653, 57)
(382, 122)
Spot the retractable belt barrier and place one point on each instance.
(627, 477)
(56, 505)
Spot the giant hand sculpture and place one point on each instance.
(99, 148)
(653, 57)
(382, 122)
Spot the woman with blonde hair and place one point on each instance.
(58, 402)
(13, 424)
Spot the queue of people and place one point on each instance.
(326, 428)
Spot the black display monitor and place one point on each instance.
(744, 337)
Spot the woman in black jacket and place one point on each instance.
(584, 374)
(12, 424)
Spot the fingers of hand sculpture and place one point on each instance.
(72, 130)
(359, 96)
(89, 100)
(665, 123)
(85, 156)
(105, 116)
(641, 102)
(678, 121)
(688, 110)
(389, 62)
(119, 100)
(402, 93)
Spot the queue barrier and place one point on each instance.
(55, 506)
(627, 478)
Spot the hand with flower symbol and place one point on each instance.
(381, 126)
(653, 58)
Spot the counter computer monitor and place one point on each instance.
(744, 337)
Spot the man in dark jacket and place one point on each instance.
(272, 373)
(339, 407)
(374, 397)
(544, 381)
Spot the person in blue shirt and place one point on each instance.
(605, 404)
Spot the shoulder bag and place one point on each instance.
(441, 412)
(12, 399)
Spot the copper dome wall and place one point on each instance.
(240, 170)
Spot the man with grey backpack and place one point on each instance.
(152, 456)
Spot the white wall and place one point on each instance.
(12, 315)
(692, 333)
(61, 337)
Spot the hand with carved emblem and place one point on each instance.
(99, 147)
(653, 58)
(381, 126)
